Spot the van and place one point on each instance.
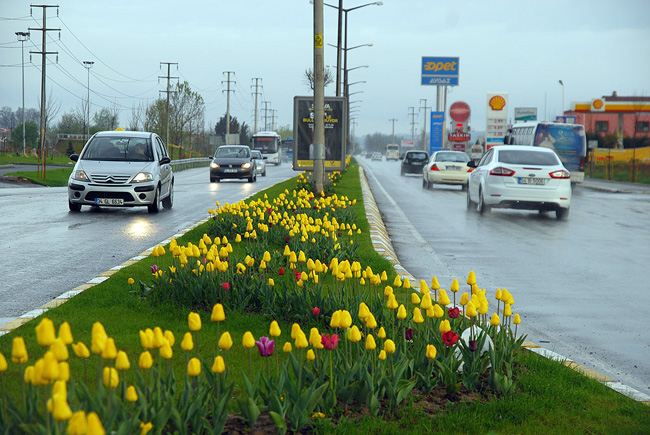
(392, 152)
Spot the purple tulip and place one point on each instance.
(265, 346)
(154, 269)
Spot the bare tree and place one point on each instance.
(138, 114)
(309, 78)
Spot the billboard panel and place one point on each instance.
(525, 114)
(440, 71)
(496, 118)
(437, 132)
(303, 133)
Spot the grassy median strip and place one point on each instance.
(548, 397)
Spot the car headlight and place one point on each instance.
(80, 176)
(142, 176)
(246, 165)
(214, 165)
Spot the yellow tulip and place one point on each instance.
(219, 365)
(434, 283)
(507, 311)
(287, 347)
(50, 366)
(295, 330)
(464, 299)
(28, 378)
(364, 311)
(406, 284)
(225, 342)
(336, 319)
(146, 361)
(382, 355)
(274, 330)
(384, 276)
(64, 371)
(426, 300)
(354, 334)
(169, 336)
(271, 282)
(218, 315)
(158, 337)
(60, 350)
(98, 338)
(3, 363)
(19, 351)
(391, 304)
(188, 343)
(401, 312)
(194, 367)
(431, 351)
(516, 320)
(315, 339)
(498, 294)
(65, 333)
(45, 332)
(109, 351)
(301, 340)
(146, 338)
(454, 286)
(62, 411)
(371, 322)
(131, 394)
(346, 319)
(417, 315)
(397, 282)
(495, 321)
(381, 333)
(389, 346)
(95, 425)
(311, 355)
(248, 341)
(111, 378)
(194, 321)
(444, 326)
(471, 278)
(424, 288)
(166, 350)
(443, 299)
(415, 299)
(370, 342)
(78, 424)
(470, 310)
(122, 361)
(81, 350)
(388, 290)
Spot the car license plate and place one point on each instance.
(230, 171)
(535, 181)
(109, 201)
(453, 168)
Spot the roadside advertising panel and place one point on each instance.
(437, 132)
(303, 133)
(496, 118)
(440, 71)
(525, 114)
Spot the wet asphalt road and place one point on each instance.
(47, 250)
(580, 285)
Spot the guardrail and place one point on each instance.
(179, 165)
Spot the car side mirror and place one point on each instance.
(74, 157)
(471, 164)
(165, 161)
(265, 158)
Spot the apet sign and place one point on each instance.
(440, 71)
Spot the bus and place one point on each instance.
(269, 143)
(567, 140)
(392, 152)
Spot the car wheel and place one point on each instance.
(264, 173)
(469, 201)
(155, 206)
(402, 172)
(463, 187)
(482, 206)
(424, 183)
(251, 178)
(562, 213)
(74, 207)
(168, 202)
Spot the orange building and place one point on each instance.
(625, 118)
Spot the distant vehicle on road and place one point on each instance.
(392, 152)
(269, 143)
(446, 167)
(376, 156)
(414, 162)
(122, 169)
(232, 161)
(520, 177)
(260, 162)
(567, 140)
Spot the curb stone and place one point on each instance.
(382, 244)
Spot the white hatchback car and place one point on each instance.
(446, 167)
(520, 177)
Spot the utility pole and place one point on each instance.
(412, 115)
(424, 130)
(22, 37)
(319, 100)
(168, 91)
(228, 91)
(393, 120)
(273, 112)
(43, 54)
(88, 64)
(266, 111)
(257, 85)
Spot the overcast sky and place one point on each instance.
(520, 47)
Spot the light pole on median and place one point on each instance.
(562, 83)
(22, 37)
(88, 64)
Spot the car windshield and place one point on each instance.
(232, 152)
(256, 154)
(417, 156)
(127, 149)
(452, 157)
(528, 157)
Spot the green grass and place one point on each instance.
(53, 177)
(549, 398)
(51, 160)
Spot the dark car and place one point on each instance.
(233, 161)
(414, 161)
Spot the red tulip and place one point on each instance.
(330, 342)
(453, 313)
(316, 311)
(449, 338)
(226, 286)
(281, 272)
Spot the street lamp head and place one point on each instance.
(560, 82)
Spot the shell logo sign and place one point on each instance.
(497, 102)
(597, 105)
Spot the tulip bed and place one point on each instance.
(340, 335)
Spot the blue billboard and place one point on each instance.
(437, 131)
(440, 70)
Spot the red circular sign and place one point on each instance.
(459, 111)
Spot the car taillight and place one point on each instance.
(470, 169)
(434, 167)
(502, 172)
(561, 174)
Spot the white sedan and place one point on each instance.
(520, 177)
(446, 167)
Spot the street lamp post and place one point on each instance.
(88, 64)
(22, 37)
(562, 83)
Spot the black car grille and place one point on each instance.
(126, 196)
